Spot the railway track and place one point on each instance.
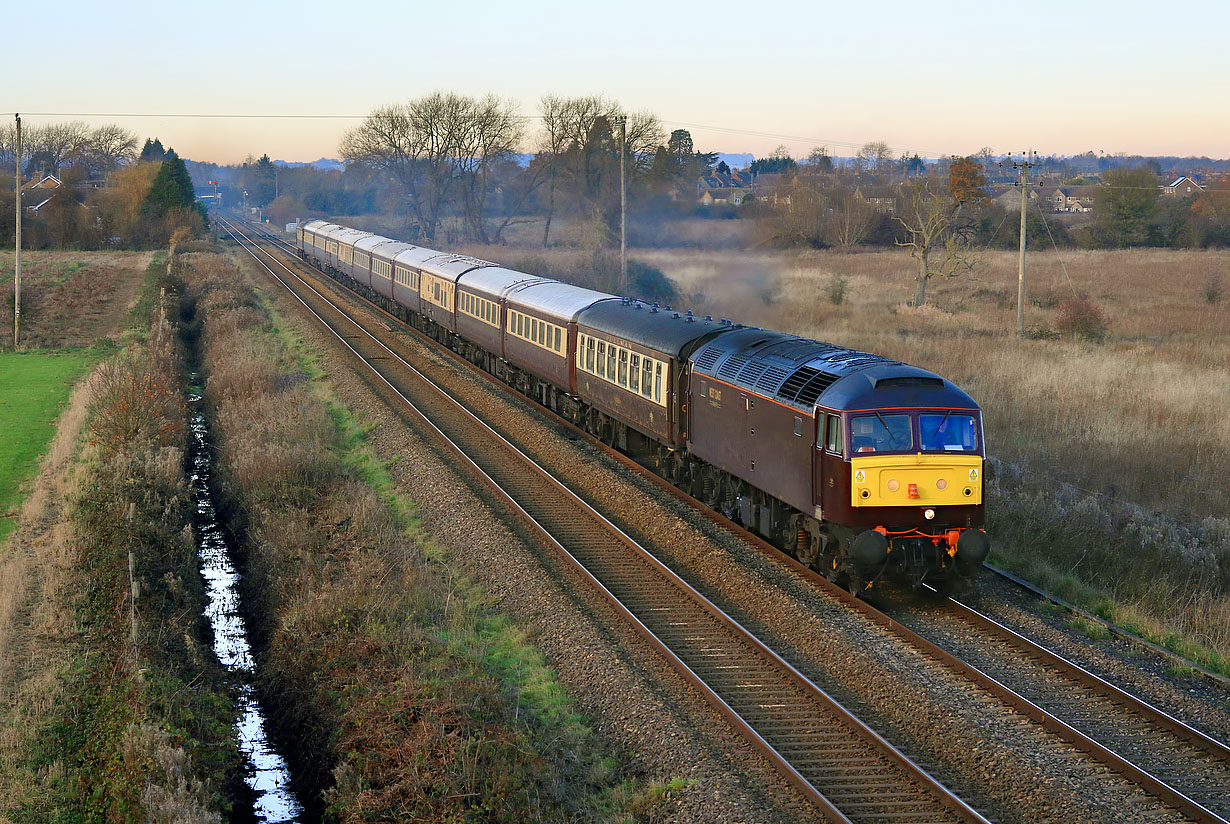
(1176, 763)
(848, 771)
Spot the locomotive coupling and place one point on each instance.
(870, 548)
(973, 546)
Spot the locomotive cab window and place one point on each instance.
(948, 432)
(881, 433)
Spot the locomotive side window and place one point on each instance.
(798, 426)
(832, 437)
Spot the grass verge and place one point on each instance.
(34, 387)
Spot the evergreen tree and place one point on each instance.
(152, 150)
(172, 187)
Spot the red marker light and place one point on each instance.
(913, 489)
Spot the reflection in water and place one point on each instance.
(270, 778)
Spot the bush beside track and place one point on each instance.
(399, 693)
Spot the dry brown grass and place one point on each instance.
(70, 298)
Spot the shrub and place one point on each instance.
(1213, 291)
(1079, 316)
(649, 283)
(835, 290)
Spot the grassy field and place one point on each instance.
(34, 387)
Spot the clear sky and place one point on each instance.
(940, 78)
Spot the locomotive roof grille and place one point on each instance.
(771, 379)
(806, 385)
(708, 357)
(732, 367)
(815, 388)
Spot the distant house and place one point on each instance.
(1068, 199)
(881, 197)
(1182, 187)
(734, 197)
(732, 187)
(1008, 196)
(40, 191)
(724, 180)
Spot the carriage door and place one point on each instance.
(832, 471)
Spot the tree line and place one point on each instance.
(105, 193)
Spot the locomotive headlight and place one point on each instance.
(893, 486)
(941, 484)
(929, 513)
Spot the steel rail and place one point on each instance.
(867, 810)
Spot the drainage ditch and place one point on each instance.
(267, 775)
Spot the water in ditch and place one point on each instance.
(269, 776)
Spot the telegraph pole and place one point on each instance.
(1024, 166)
(623, 206)
(17, 256)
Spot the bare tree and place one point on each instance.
(936, 240)
(848, 219)
(57, 144)
(579, 149)
(488, 131)
(876, 156)
(432, 145)
(109, 147)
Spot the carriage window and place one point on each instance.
(948, 433)
(559, 342)
(833, 439)
(610, 363)
(880, 433)
(647, 378)
(589, 354)
(601, 359)
(623, 367)
(634, 374)
(657, 384)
